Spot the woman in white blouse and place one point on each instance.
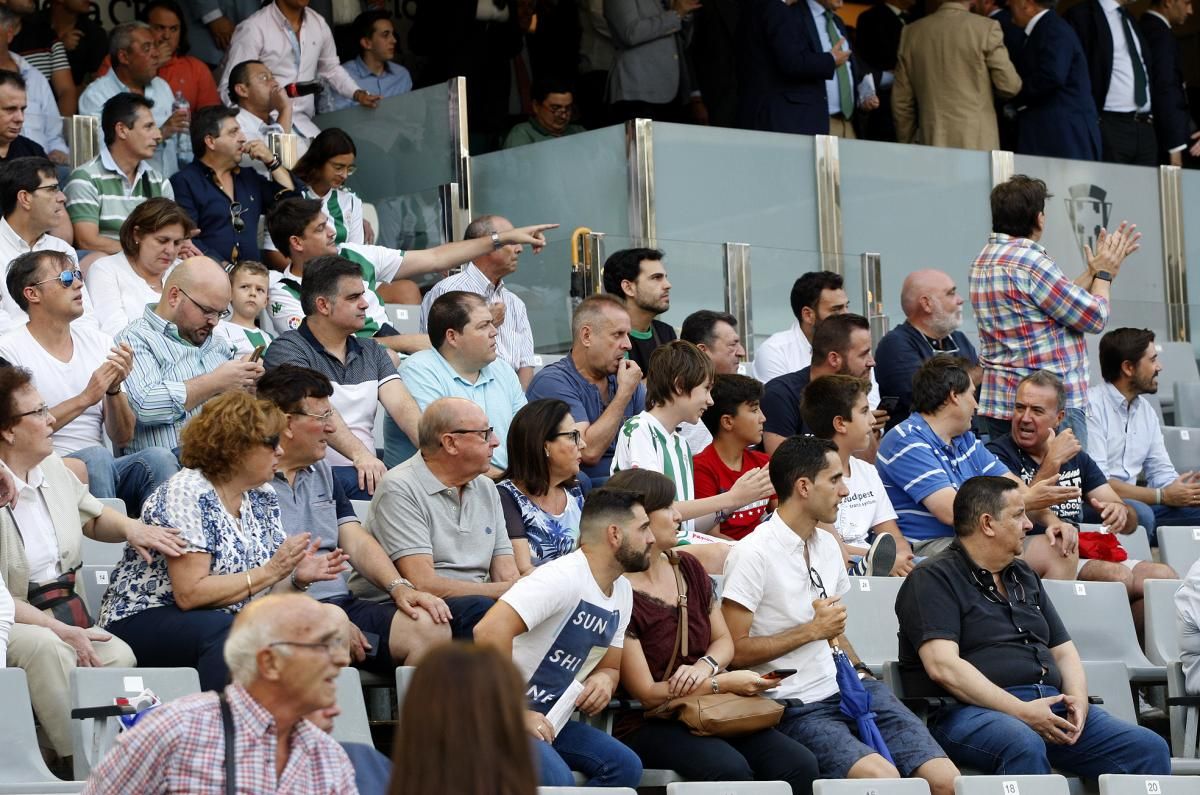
(122, 284)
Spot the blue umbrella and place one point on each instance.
(856, 703)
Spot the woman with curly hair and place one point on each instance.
(176, 612)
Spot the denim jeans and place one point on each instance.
(131, 477)
(998, 743)
(347, 476)
(605, 761)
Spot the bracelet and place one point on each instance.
(391, 586)
(274, 164)
(249, 587)
(715, 688)
(297, 585)
(1158, 497)
(113, 394)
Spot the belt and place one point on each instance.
(1136, 115)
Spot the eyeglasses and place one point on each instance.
(42, 411)
(560, 110)
(215, 314)
(66, 278)
(271, 441)
(485, 433)
(235, 215)
(814, 577)
(574, 435)
(330, 647)
(323, 416)
(53, 188)
(338, 168)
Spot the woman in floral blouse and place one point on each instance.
(176, 612)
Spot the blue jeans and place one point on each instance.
(465, 613)
(167, 637)
(347, 476)
(131, 477)
(996, 743)
(605, 761)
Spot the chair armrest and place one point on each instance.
(1183, 701)
(109, 711)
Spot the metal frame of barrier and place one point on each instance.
(459, 194)
(872, 295)
(1170, 199)
(639, 154)
(737, 290)
(829, 202)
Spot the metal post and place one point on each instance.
(448, 200)
(1170, 198)
(639, 158)
(872, 297)
(461, 152)
(829, 202)
(737, 291)
(1003, 166)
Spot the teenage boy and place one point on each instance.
(250, 282)
(735, 422)
(835, 408)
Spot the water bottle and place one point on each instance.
(183, 140)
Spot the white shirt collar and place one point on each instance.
(11, 238)
(818, 10)
(106, 160)
(1110, 6)
(1033, 22)
(36, 479)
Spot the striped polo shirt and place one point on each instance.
(644, 443)
(378, 264)
(98, 192)
(515, 342)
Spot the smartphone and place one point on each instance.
(373, 639)
(258, 352)
(889, 403)
(779, 673)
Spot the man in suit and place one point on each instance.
(949, 64)
(1117, 66)
(650, 76)
(1057, 116)
(878, 41)
(852, 87)
(1014, 40)
(1172, 120)
(713, 55)
(783, 68)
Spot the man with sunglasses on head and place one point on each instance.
(177, 363)
(225, 200)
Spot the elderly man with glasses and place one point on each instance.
(224, 200)
(177, 364)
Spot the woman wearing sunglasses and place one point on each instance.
(541, 498)
(122, 284)
(176, 612)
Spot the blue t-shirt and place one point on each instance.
(1080, 471)
(914, 462)
(901, 353)
(780, 403)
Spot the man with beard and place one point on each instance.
(176, 363)
(637, 276)
(1124, 437)
(564, 625)
(932, 309)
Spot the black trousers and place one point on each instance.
(1125, 139)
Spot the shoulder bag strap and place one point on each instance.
(230, 742)
(681, 643)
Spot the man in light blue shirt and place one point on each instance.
(463, 364)
(1124, 436)
(373, 69)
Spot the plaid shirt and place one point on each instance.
(180, 747)
(1030, 317)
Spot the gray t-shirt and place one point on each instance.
(315, 504)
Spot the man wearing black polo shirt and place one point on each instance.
(637, 277)
(12, 119)
(975, 622)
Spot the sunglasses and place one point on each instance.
(235, 215)
(271, 441)
(66, 278)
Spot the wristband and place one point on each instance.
(113, 394)
(1158, 497)
(274, 164)
(296, 584)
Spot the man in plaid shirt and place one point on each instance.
(1030, 316)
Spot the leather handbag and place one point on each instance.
(712, 714)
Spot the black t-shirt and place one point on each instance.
(645, 344)
(23, 147)
(950, 597)
(781, 403)
(1080, 471)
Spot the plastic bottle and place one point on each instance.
(183, 140)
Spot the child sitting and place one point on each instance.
(249, 282)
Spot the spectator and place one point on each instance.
(248, 284)
(1172, 119)
(177, 366)
(1030, 316)
(650, 78)
(851, 87)
(595, 60)
(712, 53)
(637, 276)
(211, 26)
(43, 123)
(841, 345)
(924, 461)
(463, 696)
(80, 371)
(439, 518)
(780, 615)
(1034, 453)
(362, 373)
(679, 392)
(7, 610)
(601, 387)
(577, 606)
(185, 74)
(263, 107)
(835, 408)
(735, 423)
(553, 106)
(1057, 116)
(224, 200)
(13, 100)
(462, 363)
(152, 236)
(932, 324)
(1187, 611)
(297, 46)
(784, 69)
(877, 35)
(948, 67)
(373, 69)
(714, 333)
(484, 275)
(178, 612)
(1002, 652)
(38, 43)
(1125, 438)
(284, 653)
(84, 38)
(312, 501)
(134, 53)
(41, 536)
(324, 168)
(32, 206)
(675, 577)
(104, 191)
(1120, 81)
(540, 492)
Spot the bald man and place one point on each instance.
(933, 311)
(177, 363)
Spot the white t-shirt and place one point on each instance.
(119, 293)
(766, 574)
(32, 517)
(865, 506)
(59, 381)
(572, 625)
(242, 340)
(644, 443)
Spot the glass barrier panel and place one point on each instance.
(1191, 249)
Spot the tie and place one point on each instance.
(1139, 70)
(845, 95)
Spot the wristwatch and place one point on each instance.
(496, 244)
(1105, 275)
(709, 659)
